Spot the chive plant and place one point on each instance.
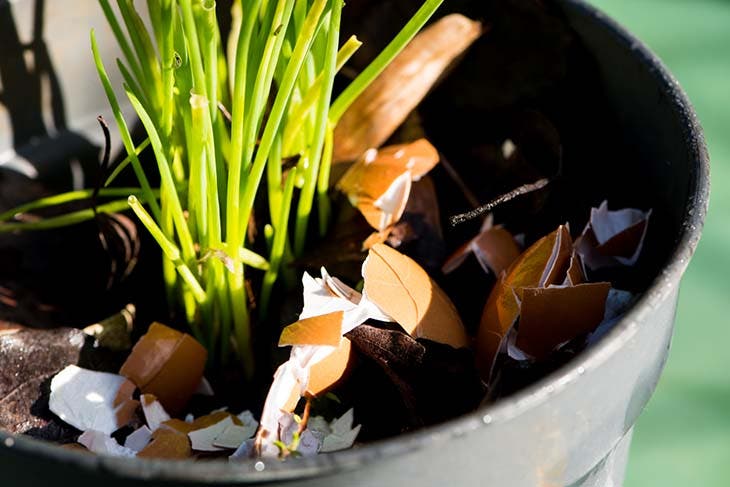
(221, 120)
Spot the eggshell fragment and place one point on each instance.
(90, 400)
(327, 373)
(554, 315)
(168, 364)
(613, 238)
(103, 444)
(494, 247)
(317, 330)
(203, 439)
(167, 444)
(233, 436)
(405, 292)
(388, 101)
(138, 439)
(379, 183)
(153, 411)
(544, 263)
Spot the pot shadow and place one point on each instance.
(46, 156)
(63, 275)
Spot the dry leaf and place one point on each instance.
(204, 388)
(202, 422)
(168, 364)
(554, 315)
(541, 265)
(386, 103)
(326, 373)
(405, 292)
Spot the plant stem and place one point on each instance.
(310, 181)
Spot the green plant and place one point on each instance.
(218, 119)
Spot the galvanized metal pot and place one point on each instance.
(573, 428)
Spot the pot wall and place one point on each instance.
(573, 428)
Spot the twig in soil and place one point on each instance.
(499, 200)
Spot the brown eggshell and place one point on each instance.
(624, 244)
(575, 274)
(167, 444)
(542, 264)
(374, 174)
(201, 422)
(496, 249)
(317, 330)
(168, 364)
(404, 291)
(327, 373)
(126, 406)
(388, 101)
(551, 316)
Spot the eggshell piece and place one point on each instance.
(167, 444)
(405, 292)
(554, 315)
(168, 364)
(544, 263)
(325, 374)
(317, 330)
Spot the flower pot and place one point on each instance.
(637, 141)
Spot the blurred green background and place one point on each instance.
(683, 437)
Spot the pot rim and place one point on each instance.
(502, 411)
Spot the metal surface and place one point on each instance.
(573, 427)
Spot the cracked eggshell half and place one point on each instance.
(406, 293)
(168, 364)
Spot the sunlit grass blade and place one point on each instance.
(124, 163)
(65, 220)
(278, 245)
(178, 217)
(122, 40)
(123, 129)
(169, 248)
(306, 197)
(65, 198)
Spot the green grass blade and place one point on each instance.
(169, 248)
(69, 197)
(183, 232)
(306, 197)
(123, 129)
